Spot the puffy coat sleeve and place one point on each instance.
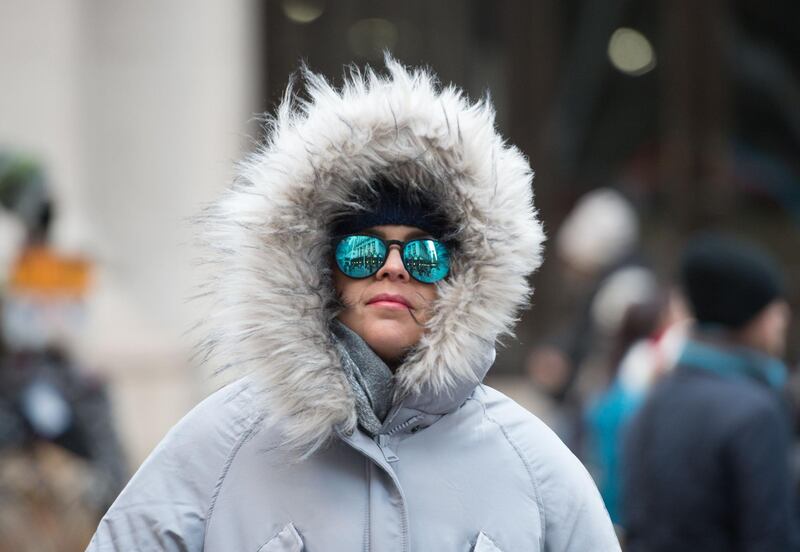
(575, 516)
(572, 512)
(165, 505)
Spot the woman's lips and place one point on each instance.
(389, 301)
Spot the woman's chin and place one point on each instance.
(392, 341)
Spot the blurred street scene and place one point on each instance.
(646, 122)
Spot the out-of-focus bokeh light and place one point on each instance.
(303, 11)
(631, 52)
(369, 37)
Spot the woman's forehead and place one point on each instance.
(396, 232)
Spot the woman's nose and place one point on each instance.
(393, 268)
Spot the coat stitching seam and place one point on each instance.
(224, 473)
(367, 513)
(534, 483)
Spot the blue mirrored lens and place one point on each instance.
(426, 260)
(360, 256)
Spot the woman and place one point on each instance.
(371, 254)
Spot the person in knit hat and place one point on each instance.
(706, 461)
(370, 256)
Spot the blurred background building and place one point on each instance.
(137, 111)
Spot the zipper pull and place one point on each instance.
(388, 453)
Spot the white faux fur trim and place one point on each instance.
(269, 234)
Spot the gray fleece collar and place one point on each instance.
(369, 377)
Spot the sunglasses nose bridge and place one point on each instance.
(393, 266)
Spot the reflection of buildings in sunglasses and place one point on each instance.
(420, 267)
(365, 257)
(418, 261)
(425, 260)
(370, 263)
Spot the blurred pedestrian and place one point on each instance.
(707, 458)
(602, 265)
(369, 257)
(602, 272)
(648, 341)
(61, 463)
(545, 370)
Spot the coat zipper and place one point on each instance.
(382, 439)
(383, 443)
(404, 425)
(397, 484)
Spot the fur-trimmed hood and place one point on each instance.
(269, 234)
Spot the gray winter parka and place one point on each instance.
(276, 460)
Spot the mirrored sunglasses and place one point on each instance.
(360, 256)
